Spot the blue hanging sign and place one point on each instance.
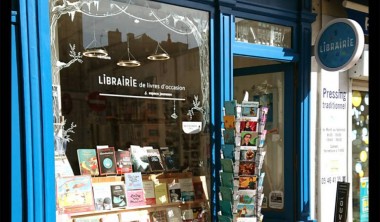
(339, 45)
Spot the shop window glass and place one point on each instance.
(132, 73)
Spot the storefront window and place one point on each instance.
(360, 154)
(134, 73)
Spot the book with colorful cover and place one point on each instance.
(247, 168)
(245, 210)
(247, 196)
(155, 161)
(175, 192)
(247, 154)
(249, 139)
(74, 194)
(135, 198)
(229, 121)
(161, 192)
(187, 189)
(150, 197)
(107, 160)
(248, 126)
(102, 195)
(250, 110)
(133, 181)
(230, 107)
(88, 162)
(248, 182)
(139, 156)
(123, 161)
(118, 195)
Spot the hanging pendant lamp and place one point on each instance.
(130, 62)
(159, 55)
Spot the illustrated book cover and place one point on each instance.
(74, 194)
(170, 159)
(173, 214)
(246, 168)
(247, 154)
(175, 192)
(102, 196)
(123, 161)
(247, 196)
(245, 210)
(248, 182)
(118, 195)
(187, 189)
(248, 126)
(139, 156)
(107, 160)
(249, 139)
(161, 192)
(249, 110)
(150, 197)
(155, 161)
(133, 181)
(88, 162)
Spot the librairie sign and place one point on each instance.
(339, 44)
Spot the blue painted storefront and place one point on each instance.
(32, 157)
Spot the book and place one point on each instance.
(230, 107)
(227, 165)
(150, 197)
(139, 156)
(118, 195)
(102, 196)
(175, 192)
(123, 162)
(170, 159)
(173, 214)
(248, 182)
(187, 189)
(247, 196)
(88, 162)
(107, 160)
(161, 192)
(155, 161)
(135, 198)
(62, 166)
(74, 194)
(246, 168)
(133, 181)
(229, 122)
(158, 216)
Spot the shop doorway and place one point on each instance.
(271, 83)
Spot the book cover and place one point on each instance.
(161, 192)
(175, 192)
(88, 162)
(227, 165)
(155, 162)
(123, 161)
(199, 193)
(118, 195)
(102, 196)
(247, 154)
(139, 158)
(133, 181)
(230, 107)
(246, 168)
(187, 189)
(107, 161)
(173, 214)
(226, 208)
(170, 159)
(135, 198)
(247, 196)
(229, 136)
(229, 122)
(245, 210)
(158, 216)
(226, 193)
(74, 194)
(248, 182)
(150, 197)
(227, 179)
(228, 151)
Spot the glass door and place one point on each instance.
(270, 83)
